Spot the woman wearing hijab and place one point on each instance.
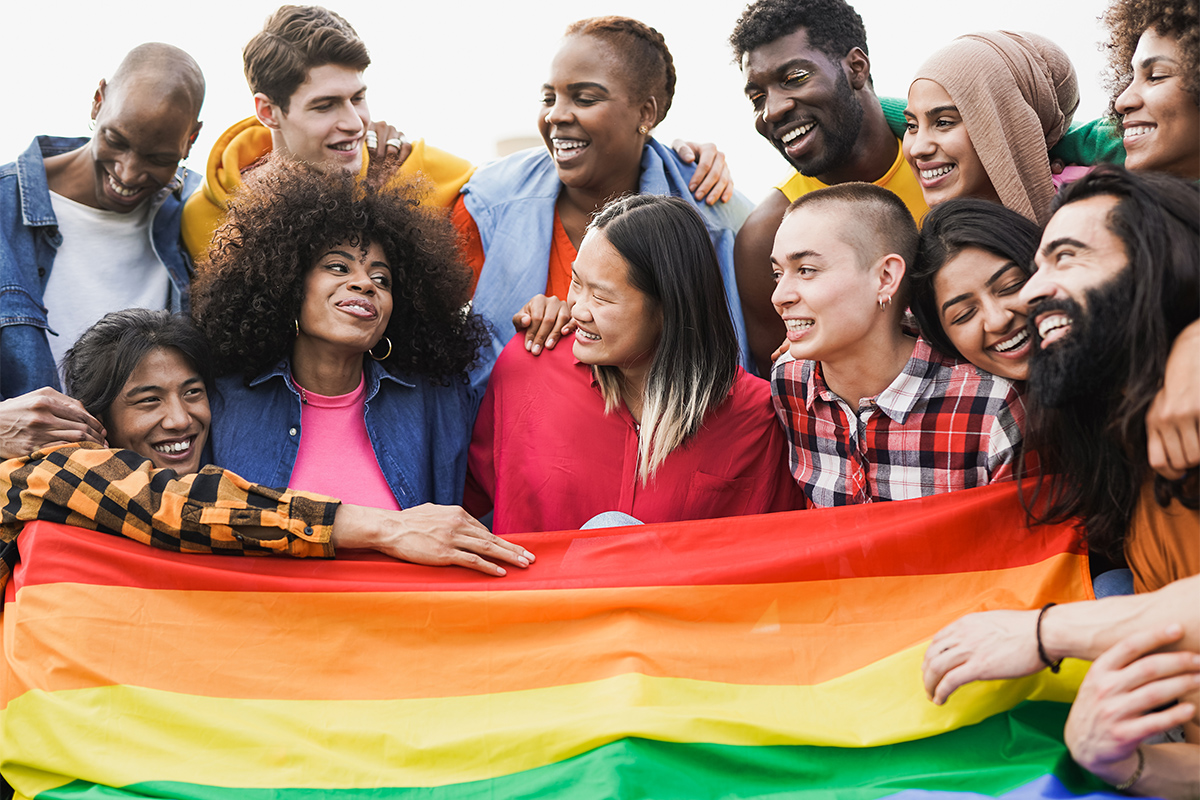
(983, 113)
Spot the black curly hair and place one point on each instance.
(247, 295)
(1127, 20)
(833, 26)
(643, 51)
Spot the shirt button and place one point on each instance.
(307, 531)
(292, 432)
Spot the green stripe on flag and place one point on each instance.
(993, 757)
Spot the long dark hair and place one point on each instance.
(97, 367)
(672, 261)
(1093, 450)
(947, 230)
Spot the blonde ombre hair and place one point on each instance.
(672, 261)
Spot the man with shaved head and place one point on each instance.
(870, 412)
(88, 227)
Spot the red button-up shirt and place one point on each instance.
(546, 457)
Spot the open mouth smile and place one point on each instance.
(568, 149)
(1012, 344)
(177, 448)
(1053, 326)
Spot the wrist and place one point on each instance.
(1123, 774)
(1049, 657)
(352, 527)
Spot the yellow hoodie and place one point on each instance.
(249, 140)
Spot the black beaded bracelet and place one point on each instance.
(1054, 666)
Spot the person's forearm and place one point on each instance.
(1171, 771)
(1085, 630)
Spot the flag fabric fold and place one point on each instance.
(769, 656)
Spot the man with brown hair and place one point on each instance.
(305, 68)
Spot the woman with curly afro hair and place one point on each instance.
(334, 312)
(1154, 77)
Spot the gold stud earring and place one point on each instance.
(643, 130)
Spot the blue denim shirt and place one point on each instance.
(29, 240)
(418, 430)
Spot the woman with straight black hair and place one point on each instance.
(649, 414)
(974, 256)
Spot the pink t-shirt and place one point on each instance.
(335, 456)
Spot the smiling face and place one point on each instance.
(347, 299)
(162, 412)
(1161, 119)
(1078, 254)
(982, 314)
(938, 148)
(326, 119)
(803, 103)
(823, 290)
(589, 117)
(141, 136)
(619, 325)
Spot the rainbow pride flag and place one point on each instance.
(772, 656)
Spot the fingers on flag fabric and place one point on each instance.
(761, 656)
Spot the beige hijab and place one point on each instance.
(1016, 93)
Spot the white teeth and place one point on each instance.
(1013, 343)
(791, 135)
(345, 146)
(177, 447)
(568, 144)
(1053, 323)
(930, 174)
(1138, 131)
(798, 324)
(121, 190)
(591, 337)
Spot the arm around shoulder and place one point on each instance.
(752, 265)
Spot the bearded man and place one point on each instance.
(1117, 286)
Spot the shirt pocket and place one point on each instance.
(711, 496)
(18, 307)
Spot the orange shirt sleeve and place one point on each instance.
(470, 244)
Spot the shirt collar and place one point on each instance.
(899, 398)
(374, 374)
(902, 394)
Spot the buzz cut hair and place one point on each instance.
(295, 40)
(873, 220)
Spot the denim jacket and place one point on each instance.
(29, 240)
(418, 430)
(512, 203)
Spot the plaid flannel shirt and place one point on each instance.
(941, 425)
(122, 493)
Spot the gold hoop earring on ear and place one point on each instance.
(385, 355)
(297, 324)
(92, 124)
(643, 130)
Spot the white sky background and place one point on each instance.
(465, 74)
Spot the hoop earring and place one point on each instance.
(385, 355)
(884, 302)
(92, 124)
(297, 324)
(643, 130)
